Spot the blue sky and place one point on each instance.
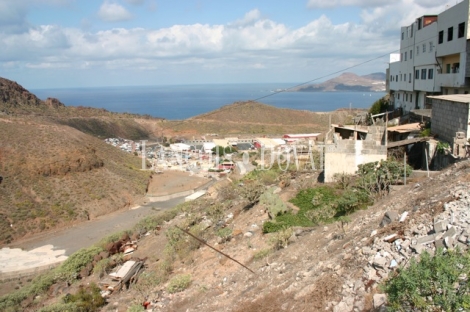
(94, 43)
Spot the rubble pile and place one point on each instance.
(449, 229)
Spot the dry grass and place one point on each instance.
(55, 175)
(248, 118)
(329, 288)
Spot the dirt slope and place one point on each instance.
(320, 268)
(251, 118)
(54, 175)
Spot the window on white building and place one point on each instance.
(409, 78)
(411, 54)
(430, 73)
(461, 30)
(450, 33)
(423, 74)
(424, 47)
(430, 46)
(417, 74)
(417, 50)
(406, 53)
(441, 37)
(411, 98)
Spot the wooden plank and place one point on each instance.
(406, 142)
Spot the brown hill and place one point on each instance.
(54, 175)
(349, 82)
(56, 172)
(17, 101)
(252, 118)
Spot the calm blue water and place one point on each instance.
(184, 101)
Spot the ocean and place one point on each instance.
(176, 102)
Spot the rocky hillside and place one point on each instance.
(15, 98)
(336, 267)
(349, 82)
(53, 172)
(55, 175)
(17, 101)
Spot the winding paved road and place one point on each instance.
(90, 232)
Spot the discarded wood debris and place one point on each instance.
(120, 276)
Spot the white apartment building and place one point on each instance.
(432, 59)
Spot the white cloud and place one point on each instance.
(13, 17)
(252, 44)
(113, 12)
(315, 4)
(135, 2)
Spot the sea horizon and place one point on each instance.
(178, 102)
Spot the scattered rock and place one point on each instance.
(379, 300)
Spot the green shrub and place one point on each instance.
(101, 267)
(266, 177)
(251, 191)
(379, 106)
(320, 204)
(136, 308)
(426, 132)
(343, 180)
(439, 283)
(224, 233)
(314, 197)
(87, 298)
(262, 253)
(179, 283)
(281, 238)
(69, 269)
(215, 211)
(442, 147)
(375, 178)
(273, 203)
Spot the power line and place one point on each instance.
(344, 69)
(324, 76)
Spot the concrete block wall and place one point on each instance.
(449, 118)
(346, 155)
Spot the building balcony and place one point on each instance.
(450, 80)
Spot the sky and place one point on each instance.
(97, 43)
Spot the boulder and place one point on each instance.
(379, 300)
(389, 217)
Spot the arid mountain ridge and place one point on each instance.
(57, 170)
(374, 82)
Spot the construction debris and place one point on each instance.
(122, 275)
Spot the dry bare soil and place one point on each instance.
(253, 118)
(314, 272)
(55, 175)
(317, 269)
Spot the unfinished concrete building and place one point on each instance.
(347, 147)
